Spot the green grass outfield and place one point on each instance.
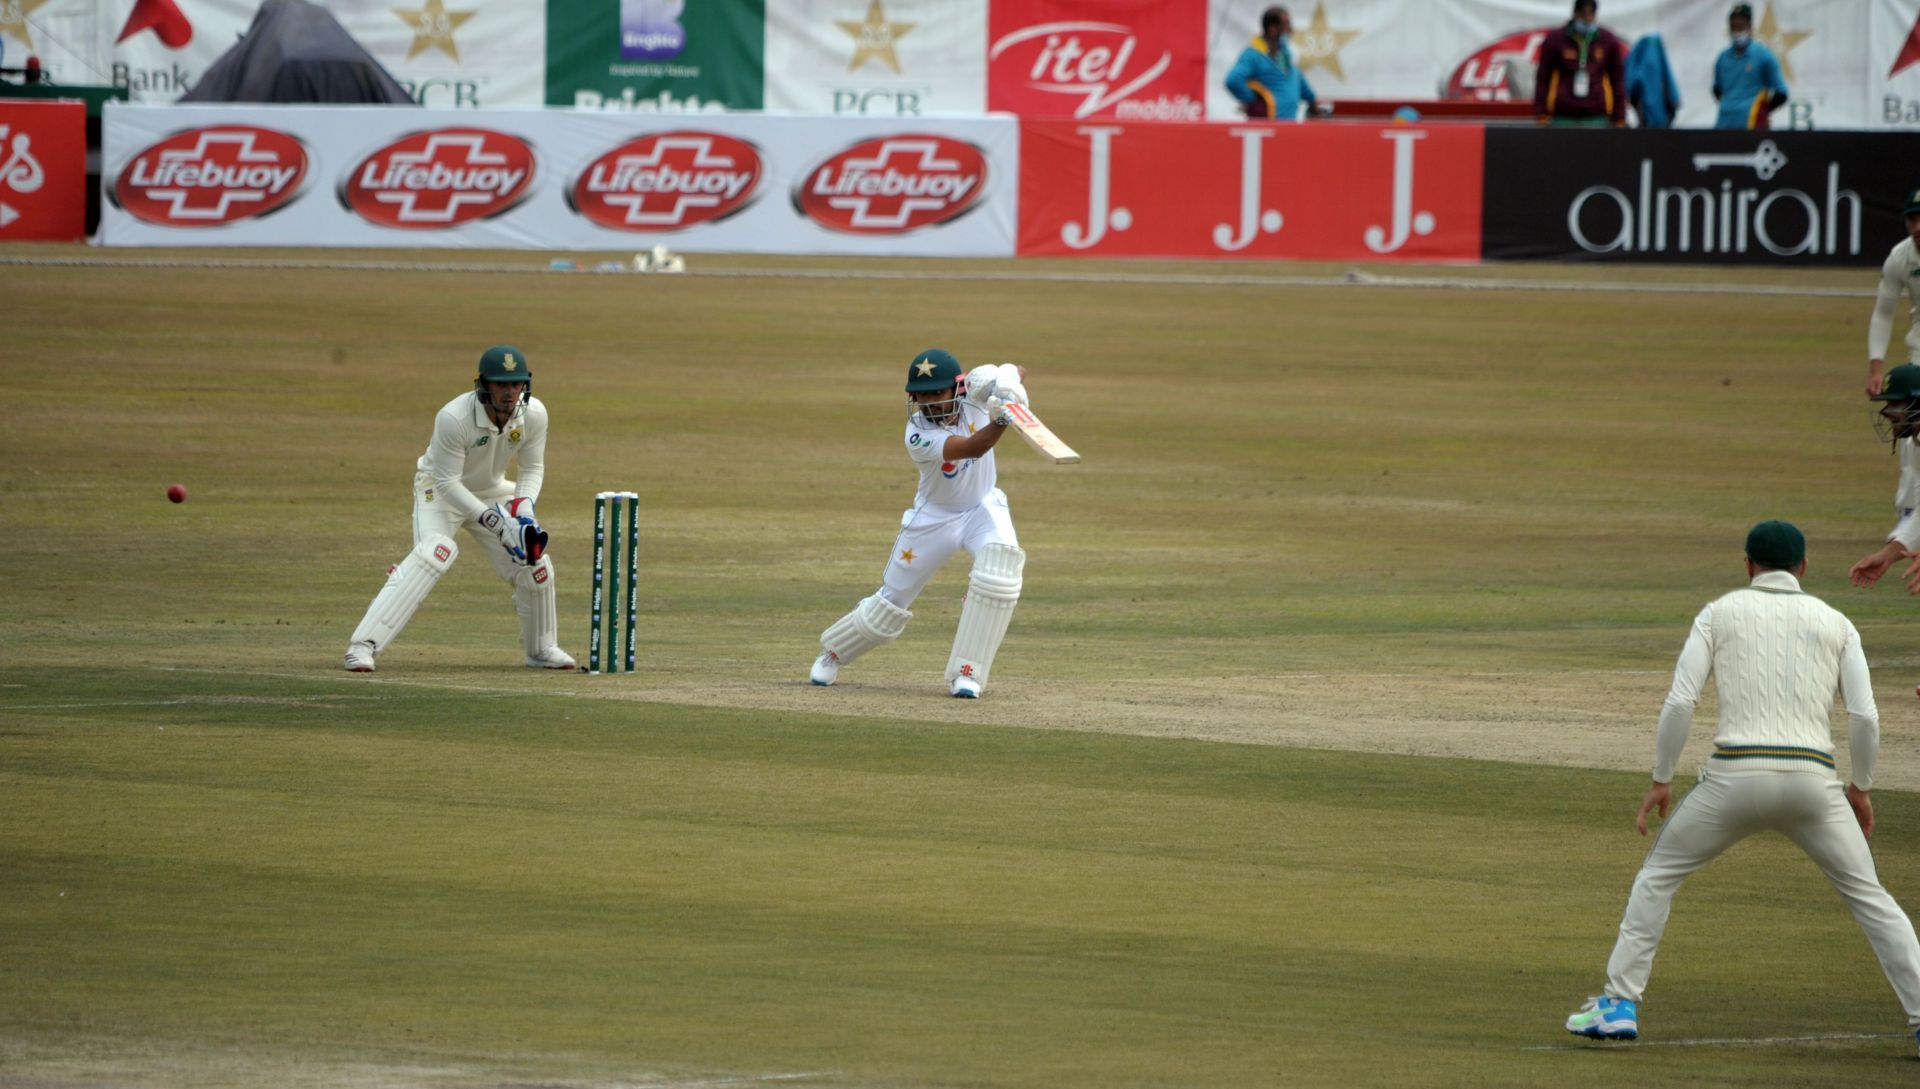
(1456, 532)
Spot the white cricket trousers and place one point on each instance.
(923, 545)
(431, 517)
(1808, 807)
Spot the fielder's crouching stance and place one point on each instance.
(953, 423)
(1776, 654)
(459, 483)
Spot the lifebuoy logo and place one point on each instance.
(440, 178)
(211, 176)
(1486, 73)
(668, 181)
(894, 184)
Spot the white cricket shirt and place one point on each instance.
(1899, 273)
(948, 488)
(468, 454)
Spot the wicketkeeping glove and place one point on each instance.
(533, 538)
(511, 530)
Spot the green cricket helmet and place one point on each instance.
(503, 363)
(934, 368)
(1899, 417)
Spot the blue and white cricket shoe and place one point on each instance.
(1604, 1018)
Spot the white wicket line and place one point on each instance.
(1730, 1041)
(1351, 278)
(745, 1079)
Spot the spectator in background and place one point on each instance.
(1651, 89)
(1746, 76)
(1267, 80)
(1582, 74)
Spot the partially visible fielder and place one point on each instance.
(952, 426)
(1776, 655)
(1900, 272)
(459, 483)
(1897, 421)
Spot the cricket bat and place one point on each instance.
(1040, 436)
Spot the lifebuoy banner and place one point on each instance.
(1327, 191)
(245, 175)
(43, 171)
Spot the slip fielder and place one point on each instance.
(460, 483)
(953, 423)
(1776, 655)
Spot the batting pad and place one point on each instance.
(406, 588)
(873, 622)
(534, 600)
(993, 588)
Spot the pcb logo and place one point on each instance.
(440, 178)
(212, 176)
(894, 184)
(668, 181)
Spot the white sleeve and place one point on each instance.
(447, 463)
(1689, 678)
(1880, 326)
(533, 454)
(1863, 718)
(925, 445)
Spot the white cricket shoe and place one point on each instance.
(966, 688)
(826, 669)
(360, 657)
(551, 658)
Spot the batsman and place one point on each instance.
(953, 422)
(460, 483)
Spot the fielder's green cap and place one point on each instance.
(934, 368)
(1913, 203)
(1776, 544)
(1902, 383)
(503, 363)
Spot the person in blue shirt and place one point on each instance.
(1746, 77)
(1267, 80)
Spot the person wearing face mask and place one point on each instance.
(1582, 75)
(1266, 80)
(1746, 76)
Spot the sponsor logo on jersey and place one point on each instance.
(894, 185)
(668, 181)
(211, 176)
(950, 470)
(483, 440)
(440, 178)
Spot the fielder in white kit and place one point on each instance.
(460, 483)
(1897, 420)
(1776, 655)
(953, 423)
(1900, 272)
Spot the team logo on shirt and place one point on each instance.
(429, 495)
(514, 435)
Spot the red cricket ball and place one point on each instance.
(177, 493)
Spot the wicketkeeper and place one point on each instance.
(460, 483)
(953, 422)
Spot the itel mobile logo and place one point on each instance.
(210, 176)
(440, 178)
(1098, 74)
(893, 185)
(668, 181)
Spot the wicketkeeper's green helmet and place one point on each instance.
(934, 368)
(503, 363)
(1902, 384)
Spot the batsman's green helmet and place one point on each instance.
(1902, 384)
(1913, 203)
(934, 368)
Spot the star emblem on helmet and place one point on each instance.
(925, 367)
